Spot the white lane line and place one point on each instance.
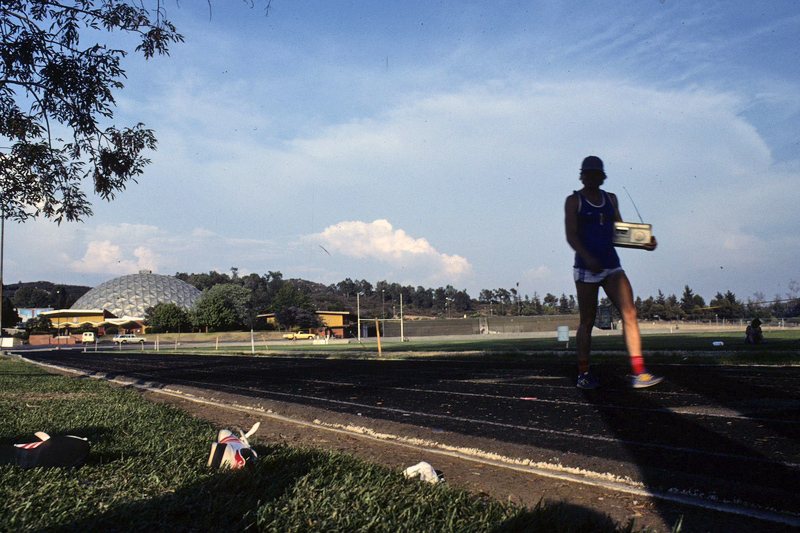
(694, 410)
(707, 411)
(584, 477)
(552, 432)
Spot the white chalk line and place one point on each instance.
(504, 425)
(710, 411)
(584, 477)
(697, 410)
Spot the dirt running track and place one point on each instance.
(719, 446)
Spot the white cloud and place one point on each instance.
(481, 169)
(103, 257)
(123, 232)
(92, 252)
(114, 249)
(379, 240)
(538, 274)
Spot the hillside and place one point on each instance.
(43, 294)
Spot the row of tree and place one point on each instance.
(271, 293)
(723, 306)
(234, 302)
(39, 295)
(230, 302)
(689, 306)
(44, 294)
(444, 300)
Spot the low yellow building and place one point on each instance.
(67, 319)
(335, 323)
(75, 318)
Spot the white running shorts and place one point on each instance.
(587, 276)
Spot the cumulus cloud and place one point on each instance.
(106, 257)
(116, 249)
(379, 240)
(486, 167)
(537, 275)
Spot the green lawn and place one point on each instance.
(146, 471)
(782, 348)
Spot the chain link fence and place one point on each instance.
(480, 326)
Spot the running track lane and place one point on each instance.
(731, 433)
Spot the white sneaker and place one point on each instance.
(645, 379)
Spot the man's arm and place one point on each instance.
(618, 218)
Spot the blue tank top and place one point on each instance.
(596, 231)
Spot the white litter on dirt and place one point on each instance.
(489, 456)
(423, 471)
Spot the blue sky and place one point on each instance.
(434, 143)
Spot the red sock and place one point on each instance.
(637, 364)
(583, 367)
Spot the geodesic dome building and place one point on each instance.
(131, 295)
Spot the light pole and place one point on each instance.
(402, 331)
(58, 325)
(358, 317)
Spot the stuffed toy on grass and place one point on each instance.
(230, 451)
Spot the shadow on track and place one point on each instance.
(715, 456)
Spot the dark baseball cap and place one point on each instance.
(592, 163)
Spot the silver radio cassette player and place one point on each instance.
(631, 235)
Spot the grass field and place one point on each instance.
(146, 471)
(147, 467)
(783, 347)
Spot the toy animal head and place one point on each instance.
(230, 451)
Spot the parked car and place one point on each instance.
(125, 338)
(299, 335)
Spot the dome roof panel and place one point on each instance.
(131, 295)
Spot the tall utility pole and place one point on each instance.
(358, 316)
(402, 332)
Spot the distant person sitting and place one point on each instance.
(753, 334)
